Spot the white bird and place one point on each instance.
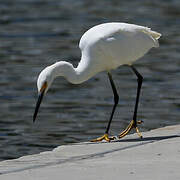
(104, 47)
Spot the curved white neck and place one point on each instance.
(66, 70)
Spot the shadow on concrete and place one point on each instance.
(155, 138)
(151, 138)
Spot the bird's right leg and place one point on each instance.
(116, 100)
(134, 122)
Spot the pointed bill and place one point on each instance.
(40, 97)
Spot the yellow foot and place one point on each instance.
(129, 128)
(104, 137)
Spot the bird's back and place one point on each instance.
(107, 46)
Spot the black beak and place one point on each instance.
(40, 97)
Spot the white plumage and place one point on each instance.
(103, 47)
(107, 46)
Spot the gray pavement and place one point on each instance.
(155, 157)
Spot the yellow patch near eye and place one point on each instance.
(44, 86)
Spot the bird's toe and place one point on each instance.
(104, 137)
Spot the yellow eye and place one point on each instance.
(44, 86)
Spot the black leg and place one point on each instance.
(139, 80)
(116, 100)
(134, 122)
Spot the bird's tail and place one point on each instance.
(155, 34)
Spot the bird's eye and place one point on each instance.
(44, 86)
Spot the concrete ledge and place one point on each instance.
(156, 156)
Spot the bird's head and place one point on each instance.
(46, 77)
(44, 81)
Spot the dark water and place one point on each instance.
(36, 33)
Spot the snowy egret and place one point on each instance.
(104, 47)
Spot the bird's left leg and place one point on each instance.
(116, 100)
(134, 122)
